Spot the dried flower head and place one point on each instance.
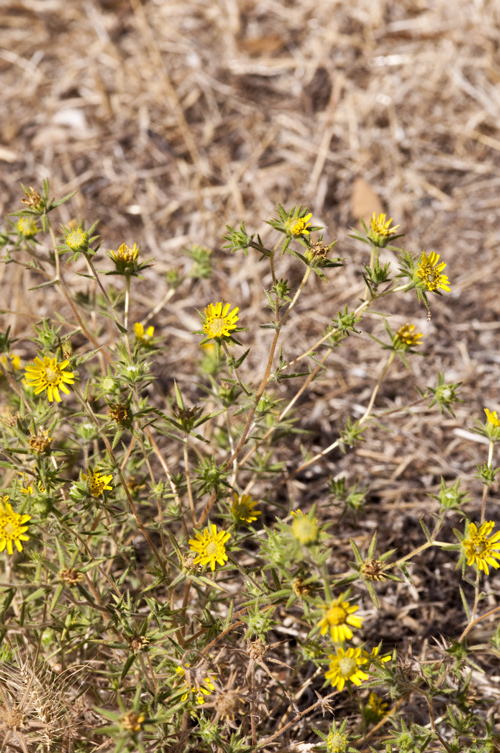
(119, 413)
(132, 722)
(33, 199)
(429, 272)
(300, 588)
(227, 703)
(49, 375)
(40, 442)
(70, 575)
(138, 643)
(373, 570)
(210, 546)
(12, 527)
(481, 550)
(219, 321)
(338, 618)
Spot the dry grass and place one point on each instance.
(175, 118)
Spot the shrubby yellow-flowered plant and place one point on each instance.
(161, 576)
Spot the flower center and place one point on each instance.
(8, 530)
(212, 549)
(336, 616)
(218, 326)
(51, 375)
(480, 545)
(347, 666)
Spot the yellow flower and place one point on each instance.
(429, 272)
(49, 375)
(200, 691)
(125, 254)
(300, 226)
(219, 321)
(28, 227)
(98, 482)
(337, 619)
(405, 335)
(304, 527)
(15, 361)
(12, 527)
(28, 489)
(143, 335)
(491, 417)
(375, 709)
(242, 509)
(346, 665)
(481, 550)
(210, 546)
(40, 441)
(132, 722)
(379, 226)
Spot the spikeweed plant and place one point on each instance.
(159, 592)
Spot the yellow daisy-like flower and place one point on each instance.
(125, 254)
(28, 227)
(304, 528)
(300, 226)
(346, 665)
(98, 482)
(382, 227)
(491, 417)
(481, 550)
(219, 321)
(200, 691)
(49, 375)
(375, 709)
(15, 361)
(12, 527)
(142, 334)
(337, 619)
(429, 272)
(242, 509)
(28, 489)
(405, 335)
(210, 546)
